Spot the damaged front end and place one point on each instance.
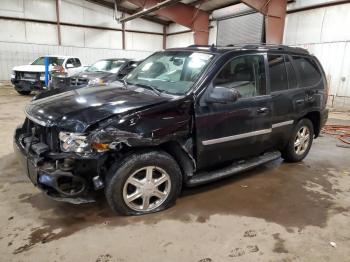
(54, 167)
(70, 163)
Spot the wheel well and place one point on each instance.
(182, 157)
(315, 118)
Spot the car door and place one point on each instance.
(311, 82)
(235, 130)
(69, 67)
(285, 97)
(77, 66)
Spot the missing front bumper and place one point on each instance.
(57, 184)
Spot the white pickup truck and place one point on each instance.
(28, 78)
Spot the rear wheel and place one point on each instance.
(300, 142)
(144, 183)
(24, 93)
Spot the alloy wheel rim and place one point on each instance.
(302, 140)
(147, 188)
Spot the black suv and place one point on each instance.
(184, 116)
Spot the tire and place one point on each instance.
(129, 179)
(294, 153)
(24, 93)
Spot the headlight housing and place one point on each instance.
(74, 142)
(95, 82)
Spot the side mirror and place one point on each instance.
(223, 95)
(69, 65)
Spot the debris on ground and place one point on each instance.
(333, 244)
(208, 259)
(244, 186)
(237, 252)
(252, 248)
(342, 132)
(250, 233)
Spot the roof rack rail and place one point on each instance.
(211, 47)
(276, 47)
(268, 46)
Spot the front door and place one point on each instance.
(234, 130)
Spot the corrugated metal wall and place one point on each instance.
(21, 42)
(325, 33)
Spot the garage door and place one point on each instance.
(241, 29)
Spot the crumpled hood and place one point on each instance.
(76, 110)
(31, 68)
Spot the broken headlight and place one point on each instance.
(74, 142)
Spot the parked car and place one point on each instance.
(103, 72)
(183, 117)
(28, 78)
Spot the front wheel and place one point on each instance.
(144, 183)
(300, 141)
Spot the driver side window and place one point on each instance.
(246, 74)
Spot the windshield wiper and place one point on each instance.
(155, 90)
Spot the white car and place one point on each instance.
(31, 77)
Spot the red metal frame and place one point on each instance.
(195, 19)
(275, 14)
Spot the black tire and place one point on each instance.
(119, 174)
(24, 93)
(289, 153)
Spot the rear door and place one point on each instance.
(225, 132)
(286, 95)
(310, 79)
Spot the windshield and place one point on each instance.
(111, 66)
(52, 61)
(172, 72)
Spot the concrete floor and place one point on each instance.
(278, 212)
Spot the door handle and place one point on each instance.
(263, 110)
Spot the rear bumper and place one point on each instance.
(28, 85)
(45, 176)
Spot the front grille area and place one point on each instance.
(77, 81)
(27, 75)
(45, 135)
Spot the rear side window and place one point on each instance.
(308, 71)
(278, 73)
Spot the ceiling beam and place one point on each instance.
(186, 15)
(275, 14)
(145, 11)
(127, 11)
